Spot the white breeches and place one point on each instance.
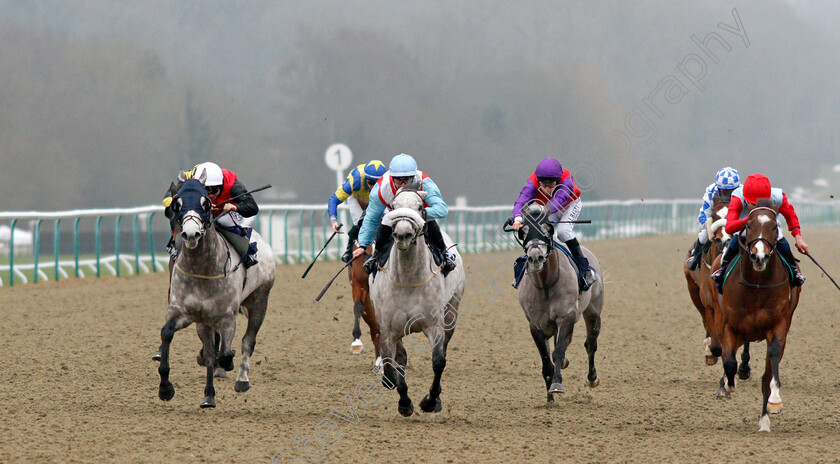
(570, 212)
(355, 208)
(231, 219)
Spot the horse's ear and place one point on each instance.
(173, 189)
(182, 177)
(203, 177)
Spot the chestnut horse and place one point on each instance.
(757, 304)
(362, 307)
(701, 287)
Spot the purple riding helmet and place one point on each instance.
(549, 167)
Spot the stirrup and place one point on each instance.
(347, 256)
(798, 278)
(371, 262)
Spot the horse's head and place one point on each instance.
(759, 235)
(408, 217)
(192, 207)
(536, 235)
(717, 225)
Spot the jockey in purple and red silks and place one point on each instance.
(552, 184)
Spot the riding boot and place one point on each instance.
(383, 237)
(519, 270)
(243, 246)
(587, 273)
(352, 235)
(435, 239)
(787, 254)
(694, 259)
(729, 252)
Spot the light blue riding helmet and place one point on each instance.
(403, 166)
(727, 178)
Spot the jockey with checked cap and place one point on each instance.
(355, 191)
(402, 171)
(757, 187)
(552, 184)
(726, 181)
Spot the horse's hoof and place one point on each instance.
(549, 398)
(774, 408)
(378, 363)
(744, 371)
(226, 360)
(722, 393)
(427, 406)
(556, 388)
(593, 383)
(711, 360)
(220, 373)
(209, 402)
(357, 347)
(241, 387)
(764, 423)
(406, 411)
(166, 391)
(156, 356)
(199, 359)
(564, 363)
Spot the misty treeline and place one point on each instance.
(478, 94)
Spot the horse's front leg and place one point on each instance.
(369, 316)
(729, 345)
(393, 372)
(547, 367)
(256, 315)
(175, 321)
(770, 384)
(744, 368)
(207, 334)
(357, 347)
(431, 403)
(565, 327)
(227, 329)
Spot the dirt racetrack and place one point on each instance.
(79, 384)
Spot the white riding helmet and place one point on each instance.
(214, 174)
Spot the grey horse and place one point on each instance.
(549, 296)
(209, 289)
(411, 295)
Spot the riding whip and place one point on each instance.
(318, 298)
(319, 254)
(267, 186)
(826, 273)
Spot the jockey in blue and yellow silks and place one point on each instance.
(402, 171)
(355, 190)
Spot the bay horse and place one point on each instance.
(411, 295)
(362, 306)
(208, 290)
(701, 287)
(757, 303)
(549, 296)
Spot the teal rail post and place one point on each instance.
(37, 246)
(151, 242)
(136, 246)
(475, 232)
(117, 245)
(98, 246)
(286, 237)
(55, 247)
(12, 253)
(76, 245)
(312, 232)
(271, 230)
(300, 238)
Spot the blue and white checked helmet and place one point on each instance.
(727, 178)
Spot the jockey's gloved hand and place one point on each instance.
(335, 226)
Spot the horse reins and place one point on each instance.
(770, 246)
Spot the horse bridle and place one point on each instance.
(747, 246)
(527, 246)
(420, 231)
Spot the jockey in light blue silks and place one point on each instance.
(726, 181)
(402, 171)
(356, 192)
